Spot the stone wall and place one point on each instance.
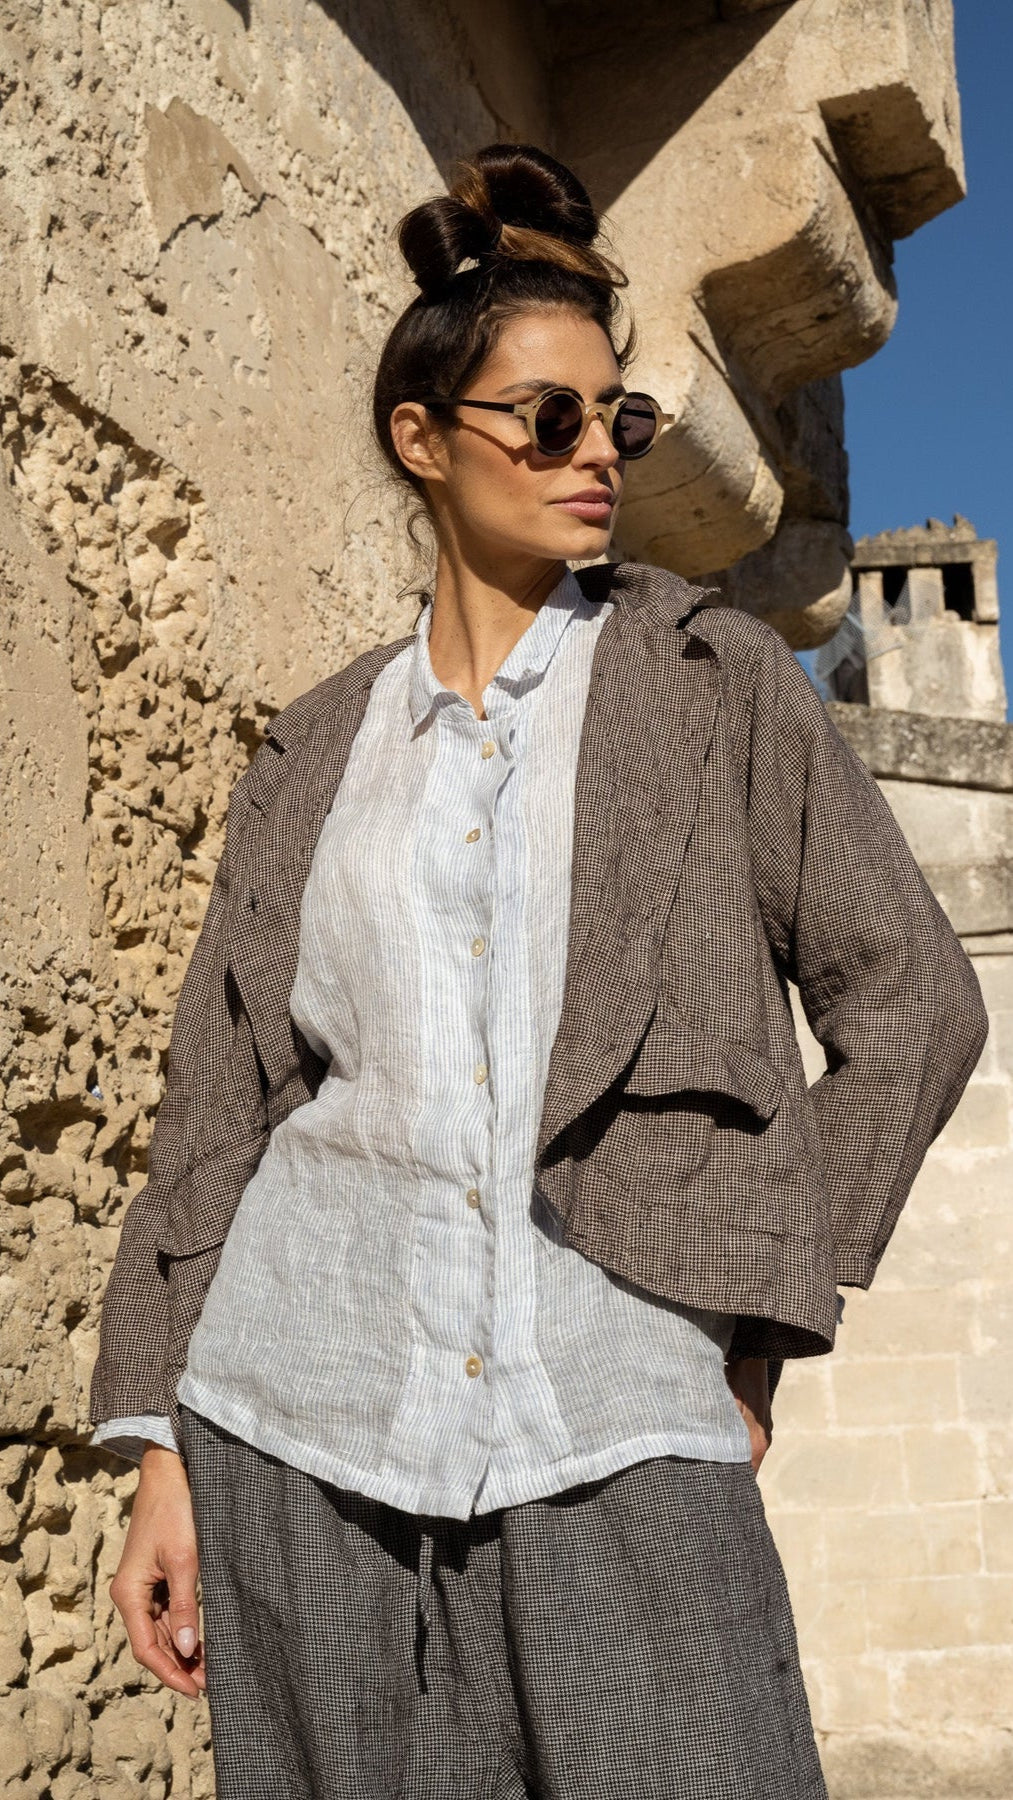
(196, 207)
(889, 1482)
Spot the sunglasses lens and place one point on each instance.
(557, 423)
(635, 427)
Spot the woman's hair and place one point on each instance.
(526, 229)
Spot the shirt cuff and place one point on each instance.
(129, 1437)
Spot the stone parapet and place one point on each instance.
(907, 746)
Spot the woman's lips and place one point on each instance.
(595, 511)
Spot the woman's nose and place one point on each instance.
(597, 446)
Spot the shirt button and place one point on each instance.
(488, 748)
(473, 1197)
(472, 837)
(473, 1365)
(477, 946)
(481, 1073)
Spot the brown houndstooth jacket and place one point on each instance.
(727, 841)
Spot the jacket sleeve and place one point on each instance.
(133, 1374)
(884, 983)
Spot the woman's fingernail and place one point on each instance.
(186, 1640)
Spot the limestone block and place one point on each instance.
(982, 1119)
(947, 1613)
(801, 1535)
(185, 164)
(883, 1391)
(925, 595)
(908, 1542)
(942, 1464)
(829, 1616)
(952, 667)
(14, 1638)
(803, 1401)
(859, 1469)
(850, 1693)
(941, 1237)
(960, 839)
(128, 1746)
(711, 432)
(888, 1322)
(972, 1687)
(985, 1383)
(997, 1536)
(818, 295)
(947, 1763)
(995, 974)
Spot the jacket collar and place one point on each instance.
(656, 597)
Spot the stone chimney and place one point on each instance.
(922, 631)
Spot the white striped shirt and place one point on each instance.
(393, 1310)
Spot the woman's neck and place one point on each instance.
(478, 617)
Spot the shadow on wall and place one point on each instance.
(542, 31)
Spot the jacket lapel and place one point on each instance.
(652, 701)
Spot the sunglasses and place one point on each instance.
(558, 419)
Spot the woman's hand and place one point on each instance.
(155, 1586)
(747, 1378)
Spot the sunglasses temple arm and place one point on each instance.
(486, 405)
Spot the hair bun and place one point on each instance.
(527, 187)
(509, 200)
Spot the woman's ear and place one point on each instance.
(417, 440)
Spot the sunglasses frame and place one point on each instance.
(605, 410)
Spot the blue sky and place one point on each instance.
(928, 419)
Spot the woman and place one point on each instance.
(487, 1185)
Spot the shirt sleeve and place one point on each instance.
(128, 1437)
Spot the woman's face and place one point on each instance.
(490, 489)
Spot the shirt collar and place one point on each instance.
(521, 670)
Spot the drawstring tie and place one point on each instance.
(425, 1579)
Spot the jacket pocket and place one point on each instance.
(678, 1058)
(202, 1203)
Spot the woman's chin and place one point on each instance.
(583, 539)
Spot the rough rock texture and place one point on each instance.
(910, 746)
(771, 155)
(196, 207)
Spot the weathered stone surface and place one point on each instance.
(910, 746)
(779, 291)
(800, 581)
(963, 841)
(921, 632)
